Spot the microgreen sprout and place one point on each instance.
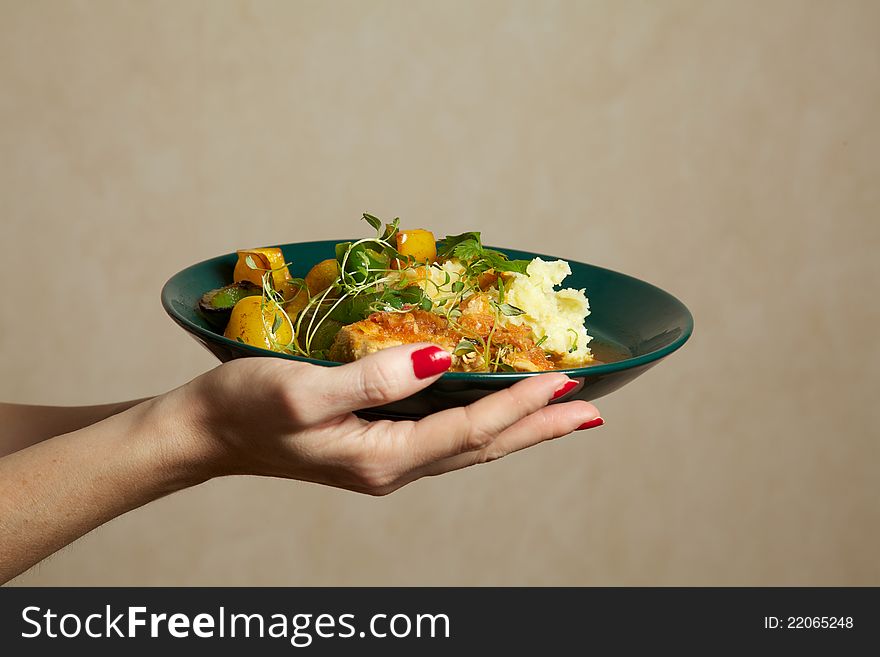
(574, 343)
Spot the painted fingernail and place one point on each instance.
(430, 361)
(598, 422)
(567, 387)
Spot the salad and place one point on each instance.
(492, 313)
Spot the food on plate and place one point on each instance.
(492, 313)
(322, 276)
(418, 244)
(269, 259)
(556, 316)
(260, 324)
(217, 305)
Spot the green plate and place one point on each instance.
(634, 325)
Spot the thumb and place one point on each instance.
(384, 376)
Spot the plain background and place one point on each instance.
(726, 151)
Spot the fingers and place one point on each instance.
(474, 427)
(322, 393)
(545, 424)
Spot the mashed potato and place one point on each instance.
(557, 314)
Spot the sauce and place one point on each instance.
(603, 352)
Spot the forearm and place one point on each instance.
(23, 425)
(57, 490)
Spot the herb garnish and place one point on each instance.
(468, 247)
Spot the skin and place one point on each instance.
(66, 471)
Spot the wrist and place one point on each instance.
(185, 450)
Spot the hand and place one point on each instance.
(268, 416)
(264, 416)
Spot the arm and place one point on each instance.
(59, 489)
(22, 425)
(271, 417)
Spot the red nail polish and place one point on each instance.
(598, 422)
(566, 388)
(429, 361)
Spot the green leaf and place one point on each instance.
(478, 267)
(463, 347)
(517, 266)
(541, 341)
(249, 261)
(238, 339)
(504, 367)
(412, 294)
(509, 310)
(375, 222)
(361, 259)
(500, 289)
(341, 249)
(425, 304)
(447, 244)
(323, 337)
(276, 324)
(468, 250)
(500, 262)
(457, 287)
(391, 230)
(393, 254)
(354, 309)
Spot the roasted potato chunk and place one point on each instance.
(319, 278)
(322, 275)
(252, 321)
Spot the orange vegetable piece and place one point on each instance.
(251, 322)
(265, 259)
(418, 243)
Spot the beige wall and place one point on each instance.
(727, 151)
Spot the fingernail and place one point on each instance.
(598, 422)
(430, 361)
(566, 387)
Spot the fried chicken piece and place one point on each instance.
(515, 342)
(477, 315)
(389, 329)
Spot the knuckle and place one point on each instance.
(491, 455)
(371, 477)
(381, 491)
(290, 400)
(520, 399)
(378, 382)
(477, 436)
(381, 481)
(545, 425)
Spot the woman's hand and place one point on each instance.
(268, 416)
(263, 416)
